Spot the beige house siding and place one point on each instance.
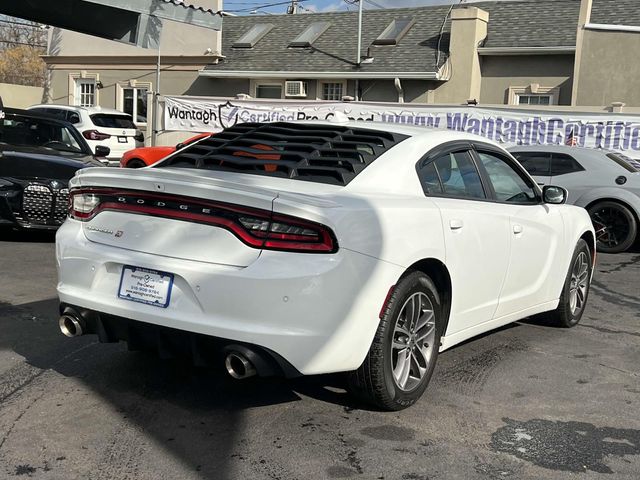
(500, 73)
(180, 82)
(609, 68)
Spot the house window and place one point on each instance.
(85, 94)
(535, 99)
(269, 90)
(332, 91)
(134, 102)
(534, 94)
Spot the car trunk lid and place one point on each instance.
(169, 213)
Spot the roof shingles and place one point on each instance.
(532, 23)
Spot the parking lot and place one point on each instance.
(524, 402)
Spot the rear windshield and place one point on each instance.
(625, 162)
(315, 153)
(25, 131)
(112, 121)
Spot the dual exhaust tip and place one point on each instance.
(71, 325)
(237, 364)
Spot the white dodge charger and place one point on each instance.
(308, 248)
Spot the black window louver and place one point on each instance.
(316, 153)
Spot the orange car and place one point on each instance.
(145, 156)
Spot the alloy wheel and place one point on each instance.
(413, 342)
(579, 283)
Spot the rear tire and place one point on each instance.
(615, 226)
(400, 362)
(136, 163)
(575, 290)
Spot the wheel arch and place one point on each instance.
(631, 207)
(135, 159)
(439, 274)
(591, 243)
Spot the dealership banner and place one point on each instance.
(619, 132)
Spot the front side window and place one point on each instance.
(562, 164)
(332, 91)
(452, 174)
(85, 92)
(269, 91)
(34, 132)
(508, 184)
(536, 163)
(134, 102)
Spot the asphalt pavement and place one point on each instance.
(524, 402)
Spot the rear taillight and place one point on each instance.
(256, 228)
(95, 135)
(139, 136)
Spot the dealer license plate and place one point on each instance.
(145, 286)
(122, 139)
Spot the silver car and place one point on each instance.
(606, 183)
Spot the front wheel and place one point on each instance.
(403, 354)
(615, 226)
(575, 290)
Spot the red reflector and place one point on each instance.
(386, 301)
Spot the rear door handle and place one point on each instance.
(455, 224)
(517, 229)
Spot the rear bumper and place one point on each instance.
(318, 312)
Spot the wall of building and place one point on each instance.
(20, 96)
(499, 73)
(609, 69)
(172, 82)
(176, 39)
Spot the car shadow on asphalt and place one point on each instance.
(29, 236)
(194, 412)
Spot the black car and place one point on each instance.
(38, 157)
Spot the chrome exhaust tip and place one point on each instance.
(70, 325)
(239, 366)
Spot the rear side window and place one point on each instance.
(73, 117)
(536, 163)
(333, 154)
(112, 121)
(453, 175)
(562, 164)
(625, 162)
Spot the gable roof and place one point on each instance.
(419, 54)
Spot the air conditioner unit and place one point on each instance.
(295, 89)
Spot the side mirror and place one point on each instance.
(554, 195)
(102, 151)
(180, 146)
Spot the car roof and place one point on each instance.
(38, 115)
(89, 110)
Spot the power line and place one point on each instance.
(261, 6)
(23, 43)
(22, 24)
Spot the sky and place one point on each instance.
(244, 7)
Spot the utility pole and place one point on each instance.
(358, 60)
(293, 8)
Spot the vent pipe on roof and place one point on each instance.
(398, 86)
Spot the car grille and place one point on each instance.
(42, 205)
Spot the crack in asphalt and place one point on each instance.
(614, 297)
(611, 330)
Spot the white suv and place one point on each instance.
(99, 126)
